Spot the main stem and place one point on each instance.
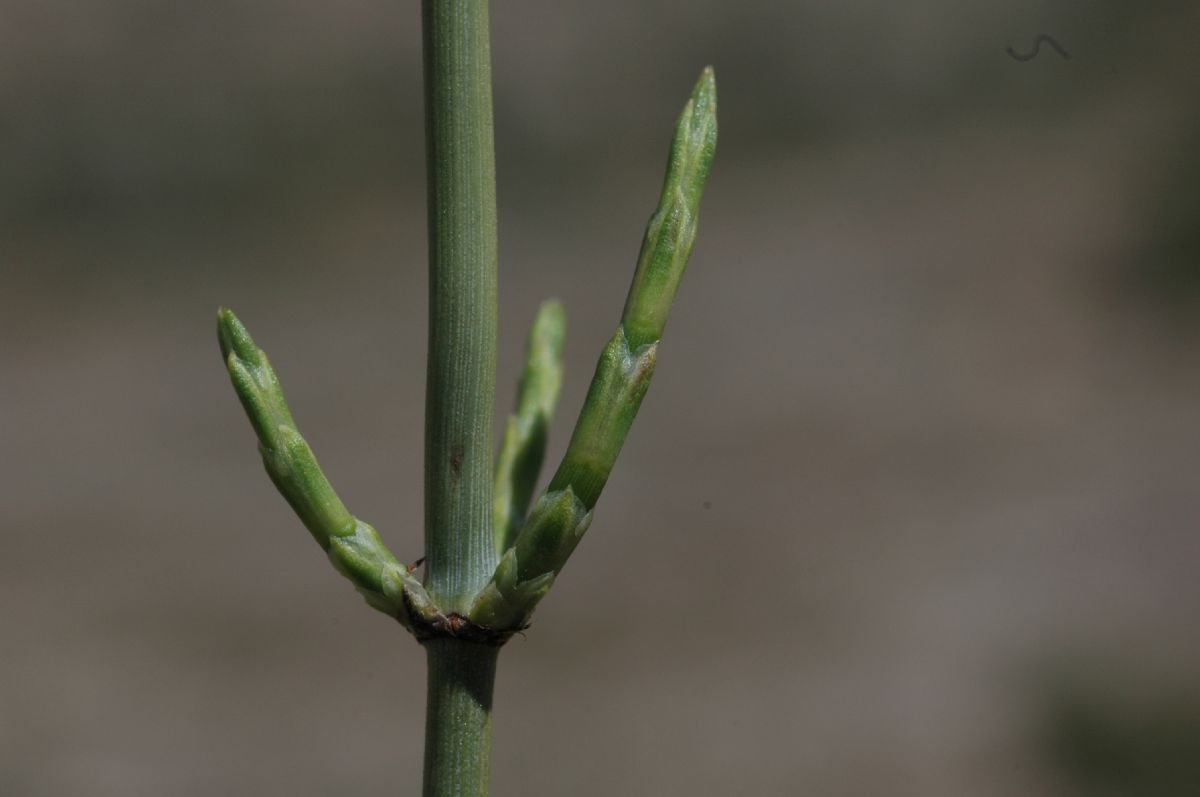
(458, 719)
(461, 382)
(460, 555)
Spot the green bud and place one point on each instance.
(672, 229)
(361, 557)
(527, 570)
(354, 547)
(524, 444)
(561, 516)
(618, 386)
(548, 538)
(295, 473)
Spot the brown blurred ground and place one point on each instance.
(916, 480)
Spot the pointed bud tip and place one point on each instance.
(696, 131)
(550, 324)
(225, 320)
(706, 86)
(233, 336)
(552, 306)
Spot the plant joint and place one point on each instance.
(457, 626)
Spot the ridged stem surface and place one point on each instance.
(460, 554)
(461, 377)
(458, 718)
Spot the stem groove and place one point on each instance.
(458, 718)
(461, 376)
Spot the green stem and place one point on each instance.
(461, 379)
(460, 385)
(458, 718)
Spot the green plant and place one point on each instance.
(488, 559)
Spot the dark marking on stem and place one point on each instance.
(456, 460)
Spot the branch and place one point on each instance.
(524, 445)
(354, 547)
(561, 516)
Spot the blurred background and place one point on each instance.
(910, 509)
